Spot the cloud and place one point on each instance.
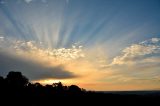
(155, 40)
(61, 54)
(139, 52)
(137, 64)
(1, 38)
(28, 1)
(35, 61)
(30, 68)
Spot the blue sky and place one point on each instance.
(103, 27)
(86, 21)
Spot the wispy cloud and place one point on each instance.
(139, 52)
(137, 64)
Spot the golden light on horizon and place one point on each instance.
(51, 81)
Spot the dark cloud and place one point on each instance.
(33, 70)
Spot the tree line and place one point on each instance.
(15, 89)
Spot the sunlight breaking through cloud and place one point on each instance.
(32, 57)
(38, 38)
(38, 48)
(63, 54)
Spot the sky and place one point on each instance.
(96, 44)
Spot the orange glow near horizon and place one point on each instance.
(91, 69)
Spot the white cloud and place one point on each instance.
(138, 52)
(62, 54)
(38, 49)
(155, 40)
(1, 37)
(137, 64)
(1, 41)
(151, 41)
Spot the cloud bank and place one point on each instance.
(32, 69)
(34, 61)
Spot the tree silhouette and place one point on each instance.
(74, 89)
(16, 79)
(1, 79)
(2, 82)
(16, 89)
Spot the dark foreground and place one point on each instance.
(16, 90)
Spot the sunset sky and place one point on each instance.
(95, 44)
